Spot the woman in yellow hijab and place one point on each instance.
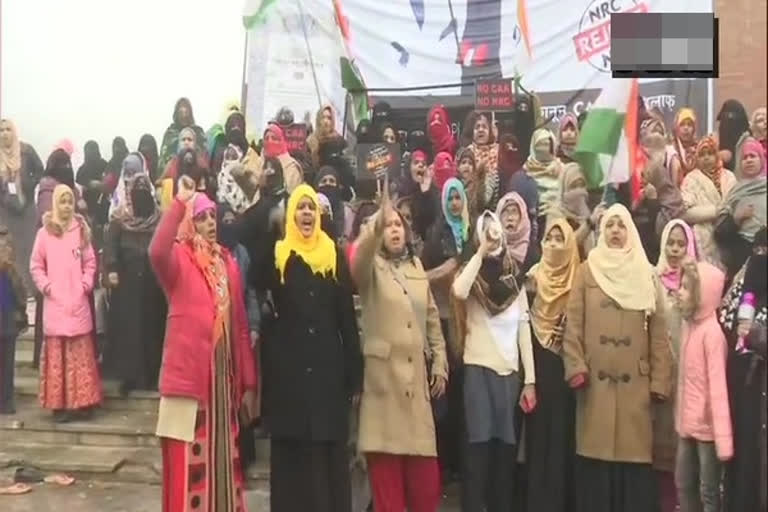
(312, 362)
(550, 427)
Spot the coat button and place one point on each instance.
(410, 359)
(311, 293)
(309, 370)
(409, 325)
(311, 330)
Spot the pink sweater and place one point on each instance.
(703, 412)
(64, 273)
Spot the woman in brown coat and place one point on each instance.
(405, 365)
(617, 358)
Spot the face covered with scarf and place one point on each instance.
(543, 150)
(272, 178)
(275, 144)
(554, 278)
(225, 226)
(304, 236)
(328, 184)
(445, 168)
(439, 129)
(454, 201)
(756, 273)
(573, 193)
(59, 167)
(235, 131)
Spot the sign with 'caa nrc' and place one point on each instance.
(496, 95)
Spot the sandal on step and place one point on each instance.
(15, 490)
(63, 480)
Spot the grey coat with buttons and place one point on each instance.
(626, 358)
(400, 325)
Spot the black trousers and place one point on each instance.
(7, 365)
(489, 477)
(309, 476)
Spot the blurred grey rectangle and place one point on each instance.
(674, 51)
(622, 51)
(647, 51)
(700, 52)
(691, 25)
(635, 25)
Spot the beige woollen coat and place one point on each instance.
(397, 314)
(626, 357)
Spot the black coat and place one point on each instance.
(136, 326)
(312, 363)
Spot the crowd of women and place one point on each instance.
(480, 316)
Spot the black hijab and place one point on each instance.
(364, 132)
(756, 274)
(119, 152)
(227, 233)
(93, 165)
(274, 183)
(234, 128)
(364, 211)
(148, 148)
(180, 123)
(733, 122)
(59, 167)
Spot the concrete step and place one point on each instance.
(27, 384)
(32, 424)
(70, 459)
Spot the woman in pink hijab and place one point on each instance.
(678, 246)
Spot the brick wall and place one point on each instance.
(742, 53)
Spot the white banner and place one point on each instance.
(413, 43)
(293, 61)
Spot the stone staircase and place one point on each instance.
(117, 445)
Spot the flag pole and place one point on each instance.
(309, 54)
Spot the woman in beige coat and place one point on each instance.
(405, 365)
(617, 358)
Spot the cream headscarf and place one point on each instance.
(554, 278)
(10, 156)
(625, 275)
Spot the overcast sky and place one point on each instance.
(95, 69)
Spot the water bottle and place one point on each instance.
(746, 313)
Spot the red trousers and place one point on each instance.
(404, 482)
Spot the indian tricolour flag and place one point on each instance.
(608, 140)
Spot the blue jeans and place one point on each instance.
(697, 476)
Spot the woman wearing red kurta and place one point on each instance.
(208, 373)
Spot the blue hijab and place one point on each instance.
(459, 224)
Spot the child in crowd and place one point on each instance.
(13, 318)
(702, 417)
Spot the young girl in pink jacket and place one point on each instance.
(63, 266)
(702, 415)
